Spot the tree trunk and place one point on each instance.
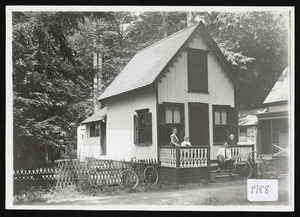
(97, 80)
(189, 18)
(165, 24)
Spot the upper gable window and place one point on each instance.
(197, 70)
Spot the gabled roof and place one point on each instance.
(248, 117)
(96, 117)
(146, 66)
(281, 89)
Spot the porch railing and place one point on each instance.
(239, 152)
(193, 156)
(280, 149)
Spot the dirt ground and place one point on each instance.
(213, 194)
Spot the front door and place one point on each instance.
(265, 136)
(198, 123)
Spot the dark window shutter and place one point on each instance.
(135, 129)
(161, 124)
(197, 71)
(233, 129)
(148, 128)
(198, 123)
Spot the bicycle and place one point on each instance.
(129, 178)
(262, 169)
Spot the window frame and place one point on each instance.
(179, 126)
(139, 114)
(190, 88)
(94, 130)
(224, 126)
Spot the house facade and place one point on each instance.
(274, 124)
(181, 81)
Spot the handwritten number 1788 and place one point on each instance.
(259, 189)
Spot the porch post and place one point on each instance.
(252, 148)
(208, 155)
(177, 156)
(271, 123)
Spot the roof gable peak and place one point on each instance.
(167, 37)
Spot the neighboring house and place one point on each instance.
(273, 125)
(248, 123)
(91, 136)
(181, 81)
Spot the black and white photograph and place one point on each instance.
(150, 108)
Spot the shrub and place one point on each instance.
(212, 200)
(31, 195)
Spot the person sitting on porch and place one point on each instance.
(224, 158)
(186, 141)
(231, 140)
(174, 138)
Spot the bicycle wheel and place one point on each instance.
(266, 170)
(151, 175)
(128, 179)
(243, 169)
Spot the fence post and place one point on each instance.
(177, 156)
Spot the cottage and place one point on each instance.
(273, 125)
(181, 81)
(248, 124)
(91, 136)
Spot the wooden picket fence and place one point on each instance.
(70, 172)
(95, 171)
(43, 176)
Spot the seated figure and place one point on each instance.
(224, 158)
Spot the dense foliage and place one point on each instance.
(53, 63)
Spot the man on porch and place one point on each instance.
(224, 158)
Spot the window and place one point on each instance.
(197, 70)
(220, 123)
(94, 130)
(243, 131)
(173, 115)
(143, 127)
(243, 134)
(170, 115)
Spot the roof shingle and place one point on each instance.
(96, 117)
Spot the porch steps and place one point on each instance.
(222, 176)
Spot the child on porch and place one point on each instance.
(224, 158)
(186, 141)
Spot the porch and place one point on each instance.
(184, 165)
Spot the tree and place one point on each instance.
(255, 43)
(49, 83)
(108, 41)
(150, 27)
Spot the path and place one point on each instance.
(234, 192)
